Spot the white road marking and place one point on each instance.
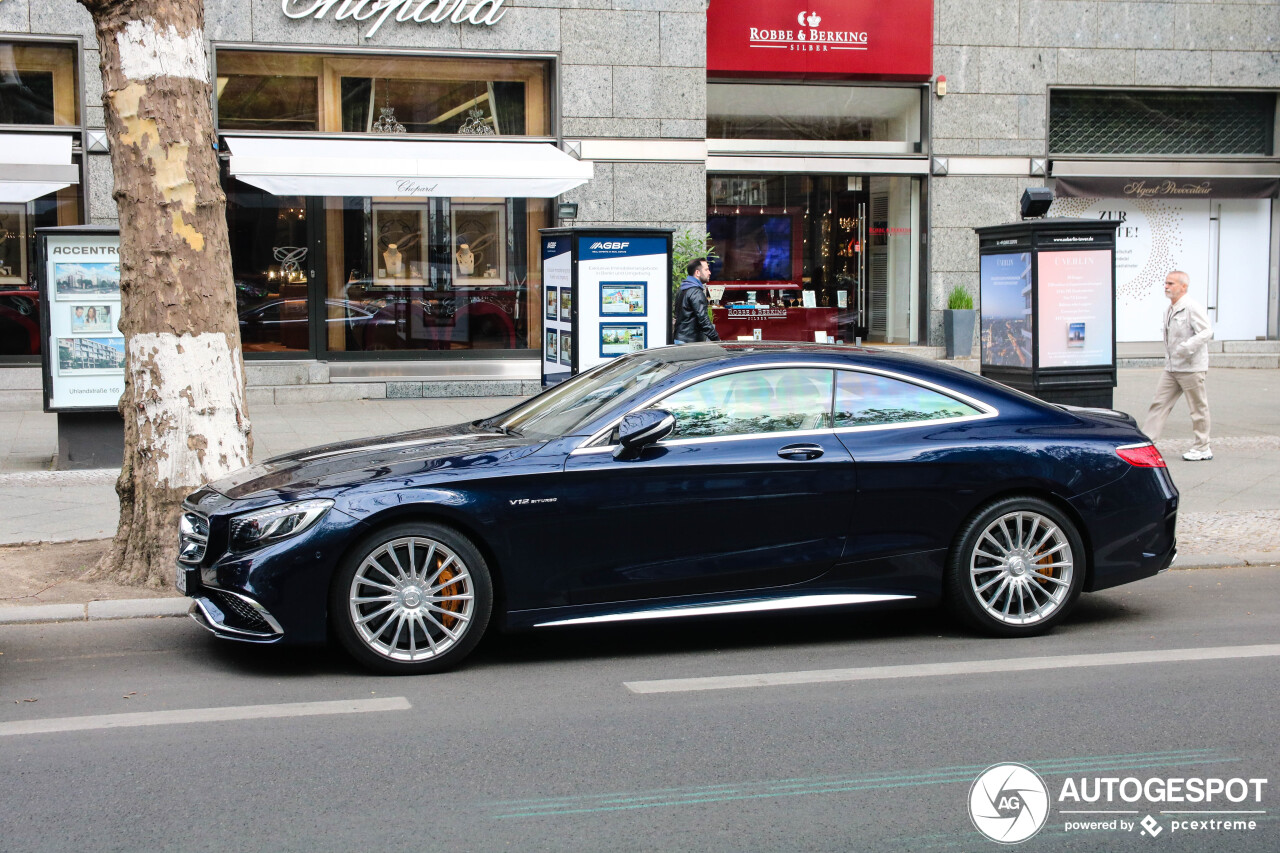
(968, 667)
(203, 715)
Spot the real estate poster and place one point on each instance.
(84, 350)
(1075, 308)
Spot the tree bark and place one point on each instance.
(183, 406)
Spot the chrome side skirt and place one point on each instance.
(753, 606)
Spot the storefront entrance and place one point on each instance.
(815, 257)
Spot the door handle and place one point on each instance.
(800, 451)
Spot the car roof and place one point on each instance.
(695, 357)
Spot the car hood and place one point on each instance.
(365, 459)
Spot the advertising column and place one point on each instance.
(623, 291)
(84, 349)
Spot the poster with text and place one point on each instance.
(1075, 308)
(1005, 292)
(85, 352)
(621, 276)
(557, 278)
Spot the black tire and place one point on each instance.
(1016, 568)
(445, 601)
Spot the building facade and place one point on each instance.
(386, 176)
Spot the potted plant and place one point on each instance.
(957, 323)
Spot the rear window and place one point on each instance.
(868, 399)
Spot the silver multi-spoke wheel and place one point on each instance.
(411, 599)
(1021, 568)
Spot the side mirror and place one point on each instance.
(640, 429)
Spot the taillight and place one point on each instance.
(1141, 456)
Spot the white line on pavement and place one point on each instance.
(203, 715)
(967, 667)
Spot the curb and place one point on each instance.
(94, 611)
(1225, 560)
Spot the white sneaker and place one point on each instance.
(1198, 455)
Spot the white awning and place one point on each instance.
(388, 167)
(34, 164)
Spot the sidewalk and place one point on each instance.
(1230, 506)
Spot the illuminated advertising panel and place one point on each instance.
(1075, 308)
(1005, 290)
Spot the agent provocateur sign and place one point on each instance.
(478, 12)
(1110, 186)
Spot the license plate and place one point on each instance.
(182, 580)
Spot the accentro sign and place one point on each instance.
(481, 13)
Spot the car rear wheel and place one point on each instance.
(410, 599)
(1016, 569)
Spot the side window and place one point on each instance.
(754, 401)
(867, 399)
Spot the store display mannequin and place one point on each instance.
(466, 260)
(393, 260)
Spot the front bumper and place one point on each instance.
(234, 616)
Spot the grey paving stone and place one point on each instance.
(404, 389)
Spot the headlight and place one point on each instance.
(256, 529)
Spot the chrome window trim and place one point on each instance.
(986, 410)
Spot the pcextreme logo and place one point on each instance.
(1009, 803)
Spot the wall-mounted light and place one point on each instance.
(567, 210)
(940, 86)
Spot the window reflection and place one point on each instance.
(865, 399)
(270, 267)
(757, 401)
(38, 84)
(260, 90)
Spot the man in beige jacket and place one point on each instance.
(1186, 345)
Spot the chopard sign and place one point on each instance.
(480, 12)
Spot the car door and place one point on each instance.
(916, 462)
(751, 490)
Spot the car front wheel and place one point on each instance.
(1016, 569)
(410, 599)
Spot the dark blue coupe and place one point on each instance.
(679, 482)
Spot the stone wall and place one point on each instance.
(1001, 56)
(631, 69)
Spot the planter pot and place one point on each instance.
(957, 325)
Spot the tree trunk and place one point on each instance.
(183, 405)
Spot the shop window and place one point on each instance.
(270, 267)
(815, 257)
(434, 274)
(1105, 121)
(259, 90)
(780, 111)
(38, 84)
(867, 399)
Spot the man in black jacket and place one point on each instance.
(692, 322)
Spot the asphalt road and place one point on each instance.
(549, 742)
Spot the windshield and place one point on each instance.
(570, 406)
